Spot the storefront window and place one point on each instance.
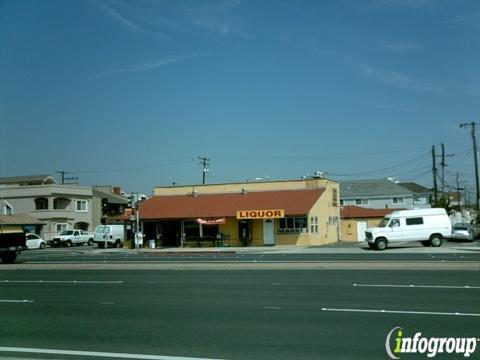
(192, 229)
(293, 225)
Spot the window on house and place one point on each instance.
(414, 221)
(314, 224)
(361, 201)
(398, 200)
(60, 227)
(81, 205)
(60, 203)
(7, 210)
(41, 204)
(342, 202)
(293, 225)
(334, 197)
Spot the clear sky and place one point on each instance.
(130, 93)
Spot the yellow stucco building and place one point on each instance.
(295, 212)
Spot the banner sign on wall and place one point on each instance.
(211, 221)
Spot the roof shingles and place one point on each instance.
(294, 202)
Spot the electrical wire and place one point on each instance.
(371, 172)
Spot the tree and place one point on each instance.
(441, 202)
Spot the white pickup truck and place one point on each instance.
(73, 237)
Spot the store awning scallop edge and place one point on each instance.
(294, 202)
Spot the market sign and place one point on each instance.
(261, 214)
(211, 221)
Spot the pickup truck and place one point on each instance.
(10, 245)
(72, 237)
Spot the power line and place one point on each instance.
(64, 178)
(134, 169)
(396, 166)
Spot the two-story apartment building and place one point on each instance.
(59, 207)
(378, 194)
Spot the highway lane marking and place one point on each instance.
(95, 353)
(273, 307)
(401, 312)
(60, 282)
(419, 286)
(24, 301)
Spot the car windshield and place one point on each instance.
(384, 222)
(68, 232)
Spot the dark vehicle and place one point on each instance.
(10, 245)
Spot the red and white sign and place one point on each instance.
(211, 221)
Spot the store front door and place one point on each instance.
(268, 232)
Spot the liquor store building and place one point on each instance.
(297, 212)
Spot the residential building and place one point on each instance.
(376, 194)
(422, 195)
(355, 220)
(295, 212)
(59, 207)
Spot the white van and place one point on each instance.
(110, 235)
(429, 226)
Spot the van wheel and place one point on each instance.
(69, 243)
(8, 257)
(381, 243)
(90, 242)
(436, 240)
(117, 244)
(426, 243)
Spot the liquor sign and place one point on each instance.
(261, 214)
(211, 221)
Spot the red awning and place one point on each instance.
(294, 202)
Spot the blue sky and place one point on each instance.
(130, 93)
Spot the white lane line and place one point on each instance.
(60, 282)
(419, 286)
(95, 353)
(25, 301)
(401, 312)
(273, 307)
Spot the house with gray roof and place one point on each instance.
(377, 194)
(422, 194)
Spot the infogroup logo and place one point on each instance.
(397, 343)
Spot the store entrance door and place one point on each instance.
(268, 232)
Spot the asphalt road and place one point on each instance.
(451, 251)
(320, 314)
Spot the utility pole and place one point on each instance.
(475, 157)
(458, 193)
(444, 164)
(204, 162)
(66, 178)
(434, 170)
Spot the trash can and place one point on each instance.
(151, 244)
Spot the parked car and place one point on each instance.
(73, 237)
(463, 231)
(429, 226)
(35, 242)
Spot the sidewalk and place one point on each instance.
(336, 248)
